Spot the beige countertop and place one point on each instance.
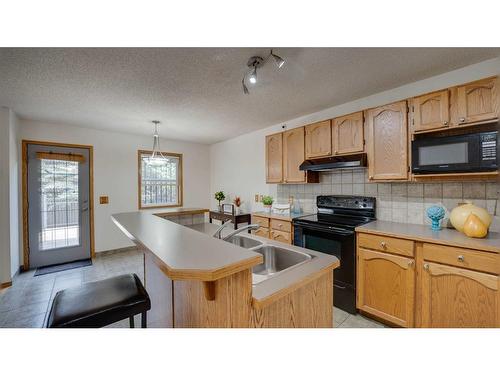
(424, 233)
(288, 217)
(180, 252)
(267, 291)
(178, 211)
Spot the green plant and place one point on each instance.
(267, 200)
(220, 196)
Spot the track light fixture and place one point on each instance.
(256, 62)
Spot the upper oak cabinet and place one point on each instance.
(347, 134)
(274, 158)
(388, 142)
(475, 102)
(431, 111)
(318, 140)
(293, 155)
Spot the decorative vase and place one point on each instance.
(267, 209)
(459, 215)
(435, 213)
(237, 210)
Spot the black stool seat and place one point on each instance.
(97, 304)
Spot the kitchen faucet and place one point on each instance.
(217, 233)
(239, 230)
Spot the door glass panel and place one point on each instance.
(59, 204)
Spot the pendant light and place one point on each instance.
(156, 157)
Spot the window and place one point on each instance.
(160, 183)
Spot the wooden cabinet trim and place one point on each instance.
(354, 143)
(293, 156)
(386, 244)
(461, 98)
(281, 225)
(263, 222)
(281, 236)
(489, 281)
(274, 158)
(318, 139)
(440, 116)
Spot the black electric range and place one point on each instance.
(331, 231)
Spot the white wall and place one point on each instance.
(4, 196)
(115, 171)
(238, 164)
(14, 201)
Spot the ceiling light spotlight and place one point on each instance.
(252, 78)
(277, 60)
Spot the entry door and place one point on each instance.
(58, 204)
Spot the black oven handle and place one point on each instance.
(327, 229)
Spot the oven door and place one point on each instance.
(339, 242)
(446, 154)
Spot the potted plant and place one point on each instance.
(219, 197)
(237, 203)
(267, 201)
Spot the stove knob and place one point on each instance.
(364, 205)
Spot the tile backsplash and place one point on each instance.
(403, 202)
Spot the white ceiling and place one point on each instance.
(197, 93)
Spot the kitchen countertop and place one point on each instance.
(268, 290)
(178, 211)
(180, 252)
(424, 233)
(288, 217)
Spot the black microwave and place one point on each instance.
(476, 152)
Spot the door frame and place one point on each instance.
(24, 151)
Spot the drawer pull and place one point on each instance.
(426, 266)
(383, 244)
(411, 263)
(461, 258)
(280, 225)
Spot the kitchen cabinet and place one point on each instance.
(388, 142)
(275, 229)
(454, 297)
(475, 102)
(274, 158)
(431, 111)
(293, 155)
(318, 140)
(386, 286)
(347, 134)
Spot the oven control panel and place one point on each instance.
(346, 202)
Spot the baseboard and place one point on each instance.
(8, 284)
(115, 251)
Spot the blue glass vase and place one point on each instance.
(435, 213)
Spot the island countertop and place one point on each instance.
(180, 252)
(281, 284)
(424, 233)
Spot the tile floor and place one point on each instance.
(26, 303)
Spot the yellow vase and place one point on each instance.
(474, 227)
(459, 215)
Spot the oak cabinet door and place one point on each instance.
(347, 134)
(293, 155)
(431, 111)
(386, 286)
(477, 101)
(388, 142)
(318, 140)
(453, 297)
(274, 158)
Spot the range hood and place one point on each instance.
(334, 162)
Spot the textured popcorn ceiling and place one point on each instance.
(197, 93)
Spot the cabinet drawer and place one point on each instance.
(262, 221)
(281, 225)
(263, 232)
(465, 258)
(278, 235)
(386, 244)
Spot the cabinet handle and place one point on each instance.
(445, 123)
(462, 119)
(426, 266)
(280, 225)
(461, 258)
(336, 152)
(370, 177)
(383, 244)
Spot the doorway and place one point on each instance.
(57, 203)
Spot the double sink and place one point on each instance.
(276, 259)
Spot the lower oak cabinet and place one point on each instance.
(386, 286)
(453, 297)
(434, 286)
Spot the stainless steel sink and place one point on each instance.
(245, 242)
(276, 260)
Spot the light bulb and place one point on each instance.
(253, 76)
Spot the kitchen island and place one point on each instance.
(195, 280)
